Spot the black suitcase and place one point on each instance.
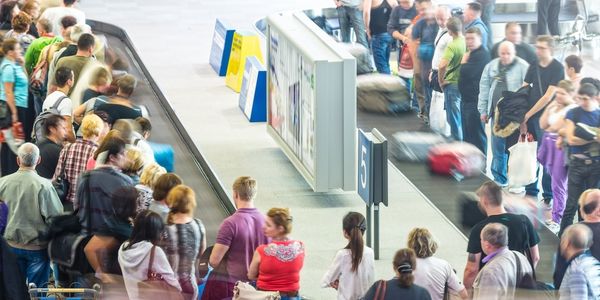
(470, 212)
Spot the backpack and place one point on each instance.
(38, 125)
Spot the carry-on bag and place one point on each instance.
(164, 155)
(522, 162)
(458, 159)
(414, 146)
(382, 93)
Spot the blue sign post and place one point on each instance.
(372, 178)
(253, 95)
(221, 47)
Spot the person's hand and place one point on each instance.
(465, 58)
(15, 118)
(335, 284)
(523, 128)
(485, 118)
(404, 39)
(559, 142)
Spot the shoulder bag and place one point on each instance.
(155, 287)
(245, 291)
(381, 289)
(61, 184)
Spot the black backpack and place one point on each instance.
(37, 134)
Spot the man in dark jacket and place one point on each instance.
(472, 67)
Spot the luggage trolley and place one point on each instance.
(64, 293)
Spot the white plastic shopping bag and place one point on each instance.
(522, 163)
(437, 115)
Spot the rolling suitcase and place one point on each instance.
(458, 159)
(164, 155)
(382, 93)
(414, 146)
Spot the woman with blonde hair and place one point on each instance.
(184, 239)
(135, 164)
(148, 179)
(433, 274)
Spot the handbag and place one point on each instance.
(522, 162)
(406, 62)
(155, 287)
(61, 184)
(435, 83)
(5, 115)
(425, 52)
(245, 291)
(381, 289)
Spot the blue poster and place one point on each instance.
(221, 47)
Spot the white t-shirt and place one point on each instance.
(432, 273)
(352, 285)
(66, 106)
(55, 15)
(440, 47)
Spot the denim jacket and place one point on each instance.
(514, 80)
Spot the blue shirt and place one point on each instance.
(12, 72)
(425, 32)
(578, 115)
(484, 30)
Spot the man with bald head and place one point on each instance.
(437, 114)
(514, 34)
(504, 73)
(32, 201)
(582, 278)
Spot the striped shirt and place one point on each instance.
(77, 156)
(582, 279)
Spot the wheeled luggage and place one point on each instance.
(63, 293)
(361, 54)
(414, 146)
(382, 93)
(164, 155)
(458, 159)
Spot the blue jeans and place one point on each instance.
(380, 46)
(473, 128)
(351, 16)
(34, 264)
(499, 158)
(452, 107)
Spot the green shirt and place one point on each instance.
(31, 201)
(453, 54)
(35, 49)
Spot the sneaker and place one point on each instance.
(544, 205)
(586, 132)
(553, 226)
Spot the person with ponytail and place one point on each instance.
(276, 266)
(402, 285)
(184, 239)
(352, 270)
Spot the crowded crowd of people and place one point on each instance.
(75, 150)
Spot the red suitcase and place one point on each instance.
(458, 159)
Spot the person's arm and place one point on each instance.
(49, 203)
(217, 254)
(162, 267)
(541, 103)
(253, 268)
(203, 243)
(70, 129)
(394, 28)
(10, 100)
(544, 118)
(442, 68)
(535, 255)
(367, 15)
(331, 277)
(471, 269)
(483, 105)
(79, 113)
(572, 140)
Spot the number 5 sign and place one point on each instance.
(372, 167)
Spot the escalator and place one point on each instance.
(213, 203)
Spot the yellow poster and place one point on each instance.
(245, 44)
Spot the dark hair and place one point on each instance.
(354, 226)
(575, 62)
(147, 226)
(69, 2)
(102, 115)
(62, 75)
(124, 202)
(548, 39)
(145, 125)
(454, 25)
(6, 8)
(474, 30)
(588, 89)
(8, 45)
(404, 263)
(492, 191)
(52, 121)
(164, 184)
(68, 21)
(86, 42)
(113, 145)
(474, 6)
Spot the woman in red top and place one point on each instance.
(276, 266)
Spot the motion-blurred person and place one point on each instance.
(8, 10)
(522, 237)
(32, 202)
(35, 49)
(505, 73)
(584, 153)
(449, 73)
(589, 208)
(139, 250)
(352, 271)
(573, 66)
(148, 179)
(350, 16)
(514, 34)
(472, 65)
(472, 18)
(276, 266)
(547, 17)
(551, 156)
(423, 35)
(64, 82)
(582, 278)
(55, 14)
(141, 133)
(162, 187)
(400, 19)
(121, 106)
(20, 27)
(437, 114)
(135, 164)
(32, 8)
(543, 78)
(376, 14)
(14, 90)
(402, 286)
(55, 133)
(99, 83)
(434, 274)
(487, 11)
(85, 48)
(184, 239)
(74, 157)
(239, 235)
(498, 279)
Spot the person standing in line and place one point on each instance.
(514, 34)
(573, 66)
(472, 18)
(582, 278)
(505, 73)
(352, 271)
(239, 235)
(400, 19)
(547, 17)
(449, 72)
(437, 115)
(376, 14)
(473, 63)
(487, 11)
(350, 16)
(55, 133)
(423, 35)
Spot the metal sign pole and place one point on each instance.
(376, 229)
(369, 228)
